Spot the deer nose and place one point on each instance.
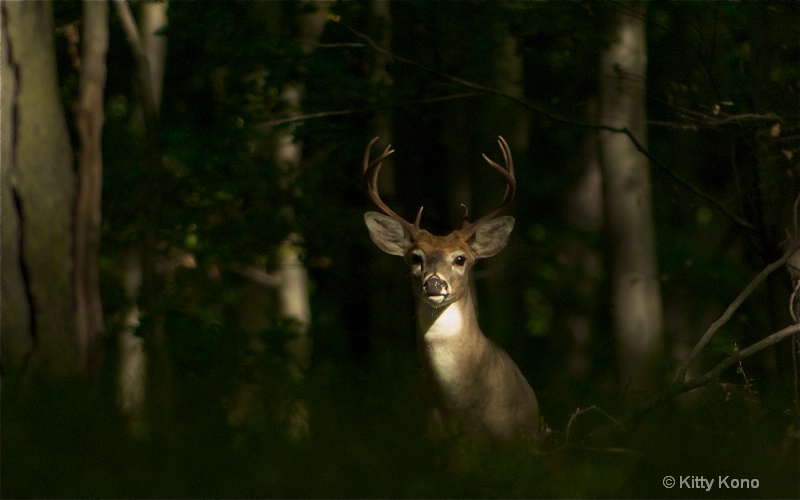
(434, 285)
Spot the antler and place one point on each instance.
(371, 171)
(511, 187)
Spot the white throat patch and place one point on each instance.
(449, 323)
(438, 341)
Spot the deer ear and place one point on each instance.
(387, 233)
(491, 236)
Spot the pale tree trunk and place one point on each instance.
(132, 375)
(132, 369)
(584, 211)
(636, 295)
(294, 305)
(89, 119)
(38, 193)
(293, 277)
(290, 278)
(153, 19)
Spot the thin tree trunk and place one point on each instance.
(132, 370)
(153, 21)
(773, 189)
(295, 305)
(89, 123)
(502, 297)
(585, 212)
(636, 299)
(290, 278)
(147, 371)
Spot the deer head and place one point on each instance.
(439, 264)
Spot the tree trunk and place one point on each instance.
(89, 123)
(153, 20)
(295, 305)
(502, 295)
(772, 188)
(293, 277)
(145, 374)
(584, 211)
(38, 190)
(132, 369)
(290, 278)
(636, 295)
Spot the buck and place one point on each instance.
(477, 389)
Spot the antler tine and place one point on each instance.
(371, 171)
(511, 188)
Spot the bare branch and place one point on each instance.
(680, 387)
(325, 114)
(792, 299)
(701, 120)
(260, 276)
(684, 366)
(580, 412)
(321, 114)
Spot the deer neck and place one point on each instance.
(450, 340)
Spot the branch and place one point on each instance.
(695, 120)
(325, 114)
(259, 276)
(680, 387)
(580, 412)
(684, 366)
(556, 118)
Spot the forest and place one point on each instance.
(193, 305)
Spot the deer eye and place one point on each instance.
(460, 260)
(416, 259)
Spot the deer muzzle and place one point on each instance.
(434, 286)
